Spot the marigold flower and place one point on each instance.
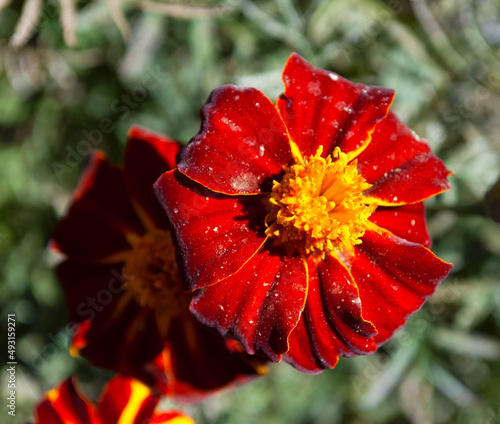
(122, 284)
(301, 224)
(123, 401)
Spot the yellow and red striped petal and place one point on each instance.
(242, 144)
(126, 401)
(401, 167)
(123, 401)
(320, 108)
(64, 405)
(216, 233)
(147, 155)
(394, 278)
(259, 305)
(100, 215)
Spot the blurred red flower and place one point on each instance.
(123, 290)
(301, 224)
(123, 401)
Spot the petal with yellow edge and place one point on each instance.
(332, 323)
(400, 166)
(320, 108)
(262, 312)
(407, 222)
(394, 278)
(217, 233)
(242, 143)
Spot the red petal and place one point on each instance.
(302, 353)
(126, 401)
(394, 278)
(65, 405)
(400, 166)
(216, 233)
(242, 143)
(259, 305)
(406, 221)
(147, 156)
(198, 362)
(321, 108)
(332, 323)
(100, 215)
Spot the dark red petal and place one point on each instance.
(124, 340)
(332, 322)
(302, 351)
(120, 335)
(394, 278)
(87, 285)
(242, 143)
(321, 108)
(65, 405)
(406, 221)
(197, 361)
(216, 233)
(126, 401)
(259, 305)
(342, 305)
(400, 166)
(147, 156)
(282, 308)
(100, 215)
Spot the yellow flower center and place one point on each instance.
(318, 207)
(152, 275)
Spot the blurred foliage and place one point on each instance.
(154, 65)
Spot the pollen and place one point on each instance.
(152, 275)
(318, 207)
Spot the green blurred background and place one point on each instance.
(113, 63)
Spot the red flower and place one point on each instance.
(301, 225)
(123, 401)
(122, 285)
